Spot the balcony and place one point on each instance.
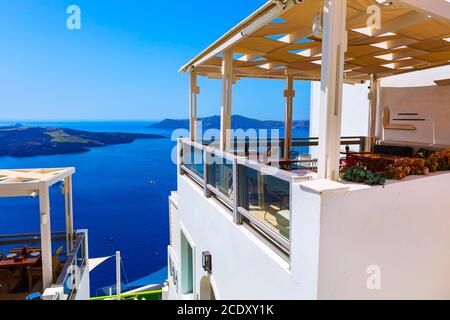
(36, 263)
(20, 276)
(253, 180)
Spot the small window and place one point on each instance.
(187, 266)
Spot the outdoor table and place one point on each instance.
(22, 264)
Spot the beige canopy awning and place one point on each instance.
(334, 41)
(275, 40)
(25, 182)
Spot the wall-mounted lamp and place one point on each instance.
(207, 261)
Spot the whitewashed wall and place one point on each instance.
(243, 266)
(403, 228)
(431, 103)
(355, 110)
(423, 78)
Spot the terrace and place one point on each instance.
(35, 262)
(265, 183)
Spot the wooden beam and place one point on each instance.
(300, 34)
(401, 22)
(46, 237)
(373, 101)
(254, 26)
(334, 46)
(227, 92)
(68, 201)
(289, 94)
(444, 82)
(194, 91)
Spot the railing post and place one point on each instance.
(206, 171)
(180, 152)
(247, 147)
(118, 280)
(236, 191)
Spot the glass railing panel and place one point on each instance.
(266, 198)
(192, 158)
(262, 150)
(74, 267)
(221, 175)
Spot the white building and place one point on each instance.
(271, 233)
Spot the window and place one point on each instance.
(187, 266)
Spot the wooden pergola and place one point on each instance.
(36, 183)
(332, 41)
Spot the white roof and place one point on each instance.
(415, 35)
(23, 182)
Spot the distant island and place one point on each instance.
(22, 141)
(237, 122)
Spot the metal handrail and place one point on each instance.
(250, 144)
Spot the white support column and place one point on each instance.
(118, 280)
(334, 46)
(69, 212)
(46, 236)
(227, 93)
(194, 91)
(373, 100)
(378, 114)
(289, 94)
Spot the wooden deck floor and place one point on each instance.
(15, 294)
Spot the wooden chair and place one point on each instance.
(37, 272)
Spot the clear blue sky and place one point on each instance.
(123, 63)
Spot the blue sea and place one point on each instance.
(120, 195)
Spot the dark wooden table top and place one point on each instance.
(20, 263)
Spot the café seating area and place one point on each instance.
(21, 266)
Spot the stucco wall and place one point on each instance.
(243, 266)
(355, 110)
(431, 103)
(402, 228)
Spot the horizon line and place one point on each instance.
(125, 120)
